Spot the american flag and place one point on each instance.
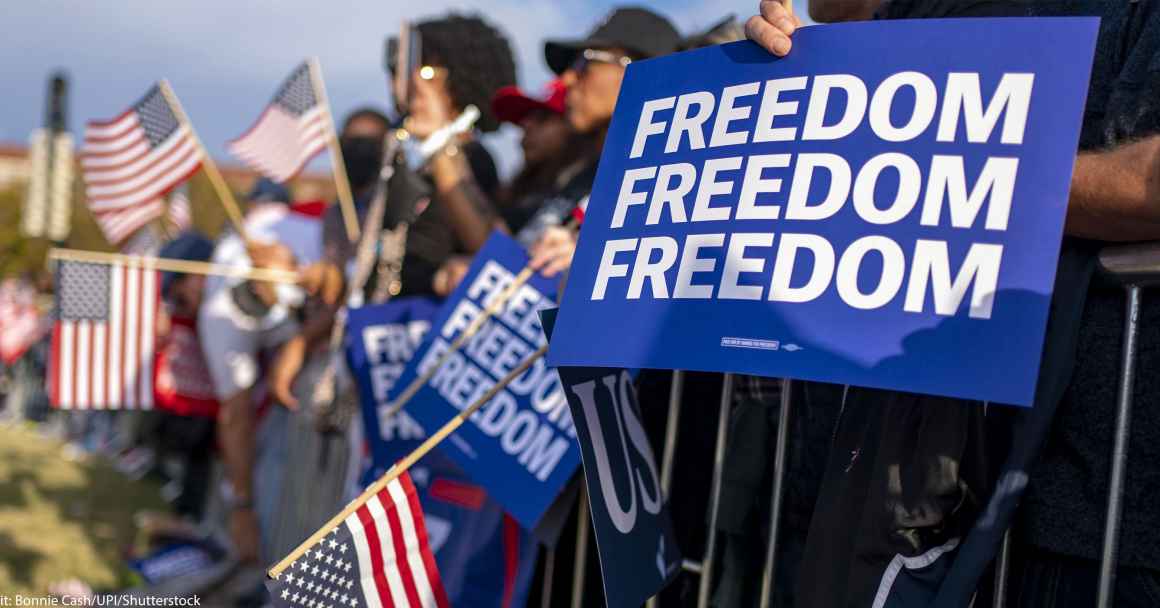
(146, 241)
(290, 131)
(180, 216)
(102, 340)
(378, 557)
(21, 323)
(131, 161)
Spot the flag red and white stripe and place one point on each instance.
(130, 162)
(180, 216)
(103, 338)
(291, 130)
(379, 557)
(120, 224)
(21, 323)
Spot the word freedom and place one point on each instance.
(389, 347)
(537, 437)
(837, 106)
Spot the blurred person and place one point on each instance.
(558, 166)
(361, 139)
(592, 69)
(183, 389)
(558, 170)
(448, 208)
(465, 60)
(239, 323)
(1063, 443)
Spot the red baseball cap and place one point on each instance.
(511, 104)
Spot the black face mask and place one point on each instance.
(363, 158)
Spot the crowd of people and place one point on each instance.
(875, 478)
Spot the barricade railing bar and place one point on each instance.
(1134, 266)
(769, 573)
(705, 588)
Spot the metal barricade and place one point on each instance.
(1135, 266)
(705, 567)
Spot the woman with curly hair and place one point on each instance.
(464, 62)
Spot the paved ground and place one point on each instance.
(62, 516)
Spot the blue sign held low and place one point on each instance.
(521, 445)
(634, 534)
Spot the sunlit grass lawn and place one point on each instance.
(63, 519)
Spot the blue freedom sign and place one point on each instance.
(521, 446)
(634, 534)
(883, 207)
(380, 340)
(485, 557)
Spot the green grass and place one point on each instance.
(62, 519)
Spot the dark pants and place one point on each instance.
(1043, 579)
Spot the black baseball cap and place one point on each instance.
(637, 30)
(189, 245)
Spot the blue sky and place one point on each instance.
(224, 59)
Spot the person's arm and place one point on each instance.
(235, 431)
(1115, 194)
(464, 204)
(467, 208)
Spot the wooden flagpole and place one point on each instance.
(476, 324)
(406, 462)
(174, 265)
(211, 171)
(490, 311)
(341, 181)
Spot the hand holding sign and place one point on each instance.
(773, 26)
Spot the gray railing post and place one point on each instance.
(715, 498)
(775, 501)
(549, 572)
(1002, 562)
(1120, 449)
(1136, 266)
(580, 567)
(676, 389)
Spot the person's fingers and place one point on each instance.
(549, 246)
(439, 282)
(310, 279)
(775, 14)
(558, 265)
(544, 255)
(455, 276)
(540, 252)
(556, 259)
(767, 36)
(538, 260)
